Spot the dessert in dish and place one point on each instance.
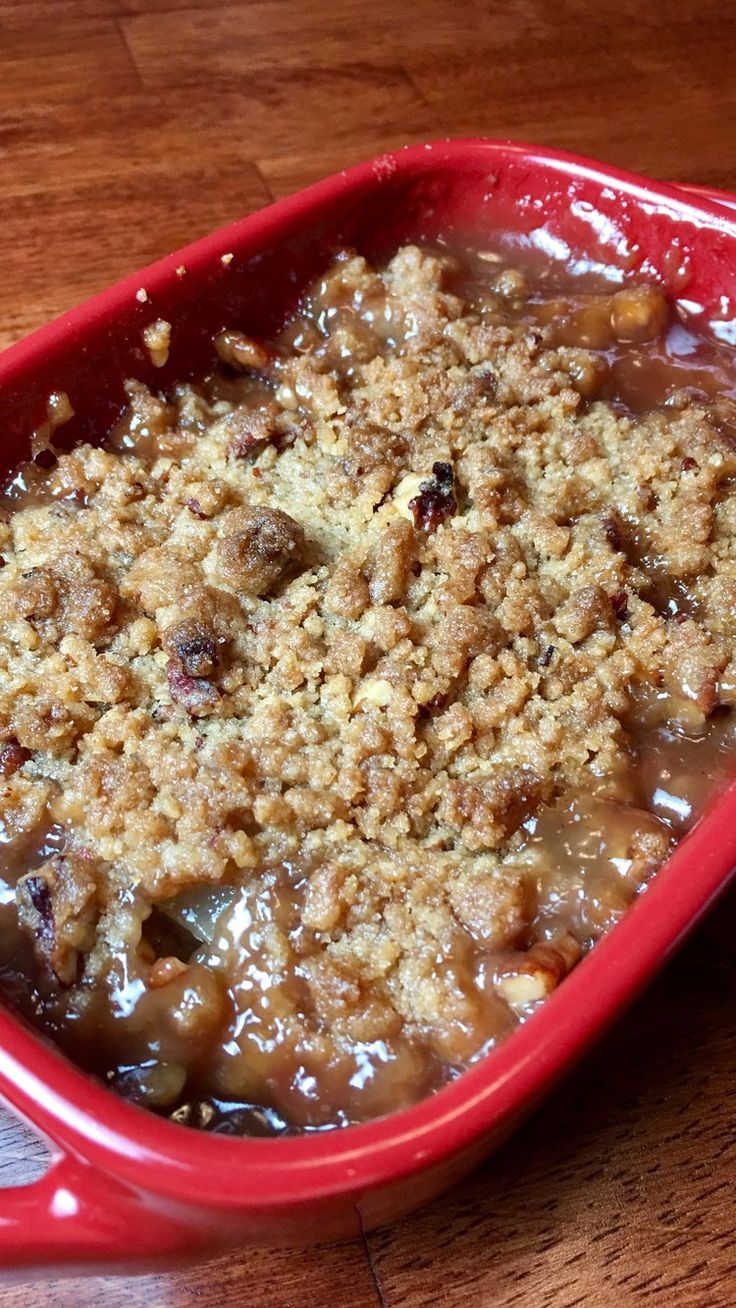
(350, 694)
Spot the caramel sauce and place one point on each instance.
(581, 849)
(22, 852)
(677, 774)
(31, 488)
(672, 359)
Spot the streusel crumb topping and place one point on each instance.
(326, 674)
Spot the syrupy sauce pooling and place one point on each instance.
(659, 361)
(204, 1013)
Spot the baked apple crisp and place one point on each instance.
(348, 696)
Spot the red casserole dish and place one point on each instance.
(125, 1187)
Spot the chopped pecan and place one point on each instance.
(540, 970)
(243, 352)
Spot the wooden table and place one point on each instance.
(130, 126)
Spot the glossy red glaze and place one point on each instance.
(126, 1187)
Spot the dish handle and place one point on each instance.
(77, 1216)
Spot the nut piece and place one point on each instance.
(406, 492)
(194, 645)
(540, 971)
(70, 594)
(258, 548)
(249, 429)
(242, 351)
(373, 690)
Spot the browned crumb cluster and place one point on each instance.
(360, 613)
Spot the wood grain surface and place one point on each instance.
(128, 127)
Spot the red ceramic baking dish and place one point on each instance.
(124, 1187)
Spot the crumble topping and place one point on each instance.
(329, 666)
